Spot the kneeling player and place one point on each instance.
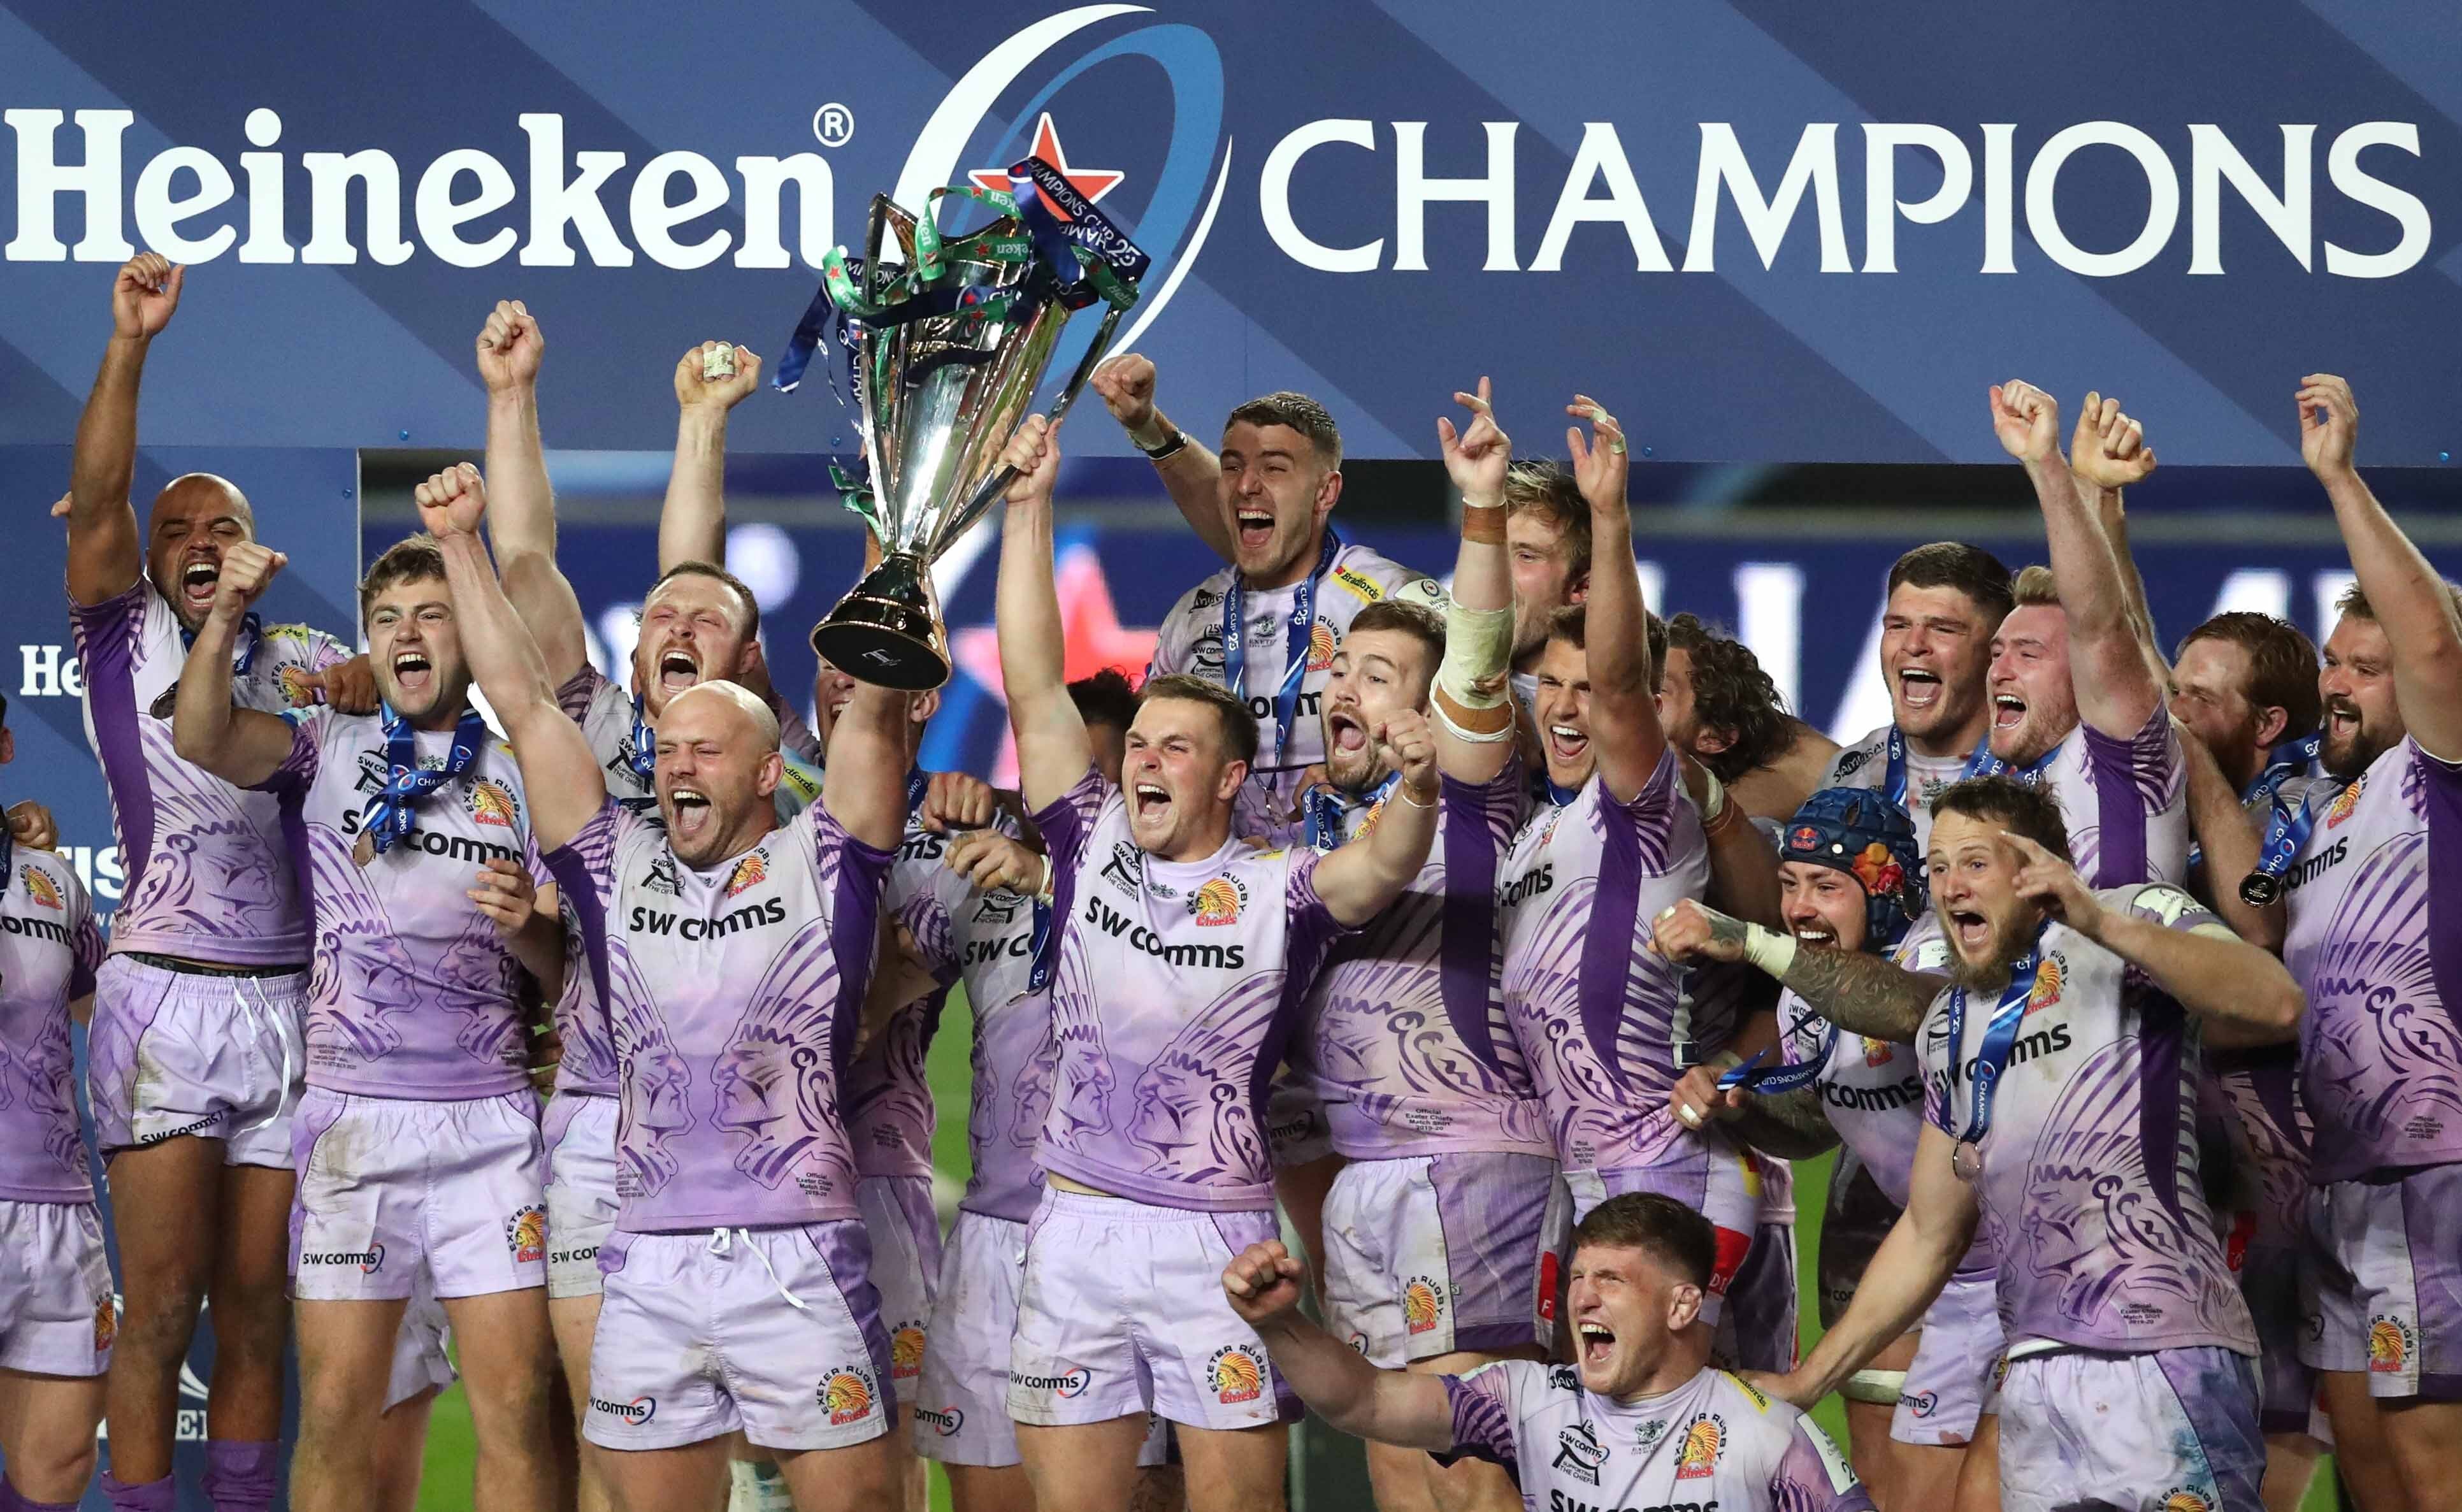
(1638, 1420)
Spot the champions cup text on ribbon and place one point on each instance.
(1990, 1060)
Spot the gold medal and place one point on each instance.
(365, 851)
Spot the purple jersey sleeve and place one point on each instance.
(299, 769)
(2441, 805)
(1066, 821)
(1483, 1409)
(584, 869)
(1813, 1476)
(2135, 778)
(89, 951)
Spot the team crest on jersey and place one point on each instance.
(847, 1392)
(1237, 1374)
(2048, 982)
(1126, 869)
(2391, 1342)
(1579, 1454)
(1877, 1052)
(1646, 1436)
(294, 680)
(1423, 1303)
(39, 887)
(526, 1232)
(662, 876)
(906, 1351)
(1320, 652)
(106, 1323)
(2187, 1499)
(2343, 803)
(1218, 901)
(492, 803)
(750, 871)
(1704, 1436)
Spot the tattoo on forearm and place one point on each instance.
(1723, 929)
(1792, 1126)
(1863, 994)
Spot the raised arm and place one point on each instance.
(1191, 474)
(1363, 878)
(1905, 1273)
(2409, 598)
(521, 511)
(2107, 454)
(864, 784)
(106, 552)
(1473, 699)
(1743, 864)
(2116, 689)
(711, 380)
(564, 781)
(1862, 994)
(1052, 749)
(2246, 995)
(242, 747)
(1389, 1407)
(1624, 703)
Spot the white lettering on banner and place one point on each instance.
(50, 673)
(97, 867)
(2162, 199)
(1882, 205)
(1814, 166)
(1600, 156)
(1414, 190)
(1274, 197)
(2213, 159)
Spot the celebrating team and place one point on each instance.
(1499, 939)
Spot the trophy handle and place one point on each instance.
(958, 522)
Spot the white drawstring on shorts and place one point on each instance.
(264, 1015)
(721, 1242)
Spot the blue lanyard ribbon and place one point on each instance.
(1326, 809)
(1783, 1078)
(2000, 1038)
(1983, 764)
(1893, 781)
(1303, 627)
(644, 756)
(918, 782)
(389, 813)
(2283, 763)
(2286, 831)
(252, 630)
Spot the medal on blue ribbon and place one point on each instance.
(1990, 1060)
(1325, 806)
(252, 630)
(1302, 628)
(388, 815)
(1894, 777)
(2285, 832)
(1983, 764)
(1782, 1078)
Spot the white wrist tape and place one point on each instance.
(1472, 696)
(1879, 1388)
(1713, 801)
(1771, 951)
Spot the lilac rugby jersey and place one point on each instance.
(1714, 1442)
(1405, 1038)
(2090, 1186)
(412, 993)
(1599, 1014)
(734, 994)
(2125, 802)
(1865, 764)
(1175, 991)
(208, 874)
(2376, 938)
(986, 941)
(889, 1109)
(49, 950)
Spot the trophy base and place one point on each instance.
(888, 631)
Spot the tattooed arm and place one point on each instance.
(1862, 994)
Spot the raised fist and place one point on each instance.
(452, 502)
(954, 800)
(1127, 385)
(1476, 459)
(2109, 450)
(144, 294)
(1691, 931)
(2330, 425)
(247, 568)
(511, 345)
(1409, 746)
(2026, 419)
(1034, 451)
(695, 386)
(32, 826)
(1264, 1282)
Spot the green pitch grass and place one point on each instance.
(449, 1451)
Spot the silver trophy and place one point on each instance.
(945, 351)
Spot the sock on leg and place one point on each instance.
(242, 1474)
(148, 1495)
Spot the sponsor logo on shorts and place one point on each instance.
(848, 1396)
(942, 1424)
(634, 1413)
(2391, 1342)
(572, 1257)
(492, 803)
(750, 871)
(1072, 1383)
(2187, 1499)
(1423, 1303)
(525, 1233)
(1921, 1404)
(905, 1352)
(1704, 1436)
(369, 1260)
(156, 1138)
(1579, 1454)
(1219, 900)
(1237, 1374)
(1359, 1342)
(106, 1322)
(41, 888)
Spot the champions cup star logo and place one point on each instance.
(1092, 183)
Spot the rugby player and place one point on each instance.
(1182, 955)
(418, 1150)
(206, 987)
(1639, 1419)
(1722, 710)
(732, 956)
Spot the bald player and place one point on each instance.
(732, 955)
(207, 983)
(1175, 992)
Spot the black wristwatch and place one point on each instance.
(1169, 449)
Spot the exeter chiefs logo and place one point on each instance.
(1421, 1303)
(1876, 1052)
(492, 803)
(848, 1396)
(526, 1232)
(2184, 1499)
(39, 887)
(2047, 982)
(1320, 652)
(2389, 1345)
(1218, 901)
(106, 1323)
(1237, 1374)
(906, 1352)
(2343, 803)
(750, 871)
(1703, 1438)
(295, 690)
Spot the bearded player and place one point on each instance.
(2060, 1067)
(732, 955)
(206, 984)
(1637, 1420)
(1175, 993)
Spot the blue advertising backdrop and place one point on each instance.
(1761, 232)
